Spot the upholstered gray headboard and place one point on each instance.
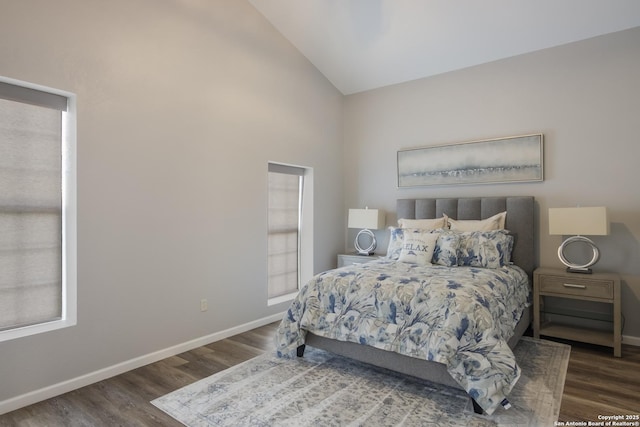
(520, 218)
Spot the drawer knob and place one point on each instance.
(571, 285)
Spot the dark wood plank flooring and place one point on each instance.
(596, 384)
(124, 400)
(599, 384)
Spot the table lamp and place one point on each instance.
(366, 219)
(578, 222)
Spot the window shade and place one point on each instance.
(285, 197)
(30, 206)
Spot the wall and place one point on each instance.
(181, 104)
(584, 97)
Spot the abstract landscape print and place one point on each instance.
(511, 159)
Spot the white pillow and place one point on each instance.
(423, 224)
(418, 246)
(495, 222)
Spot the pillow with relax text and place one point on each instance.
(418, 247)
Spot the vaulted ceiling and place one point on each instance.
(365, 44)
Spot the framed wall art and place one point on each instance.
(510, 159)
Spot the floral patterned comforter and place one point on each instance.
(459, 316)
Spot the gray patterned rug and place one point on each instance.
(322, 389)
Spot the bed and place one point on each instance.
(443, 322)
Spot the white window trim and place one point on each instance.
(69, 220)
(282, 298)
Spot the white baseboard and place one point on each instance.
(629, 340)
(111, 371)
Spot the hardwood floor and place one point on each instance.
(124, 400)
(599, 384)
(596, 384)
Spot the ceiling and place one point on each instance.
(365, 44)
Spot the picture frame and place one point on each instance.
(489, 161)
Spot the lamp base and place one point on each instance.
(372, 240)
(364, 253)
(579, 270)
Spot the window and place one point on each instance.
(288, 230)
(37, 209)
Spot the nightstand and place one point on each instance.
(354, 258)
(597, 287)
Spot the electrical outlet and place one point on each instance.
(204, 305)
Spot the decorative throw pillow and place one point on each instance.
(486, 249)
(495, 222)
(446, 250)
(396, 237)
(423, 224)
(418, 247)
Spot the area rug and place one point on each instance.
(322, 389)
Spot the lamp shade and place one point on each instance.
(366, 218)
(584, 221)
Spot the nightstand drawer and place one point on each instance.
(576, 286)
(350, 259)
